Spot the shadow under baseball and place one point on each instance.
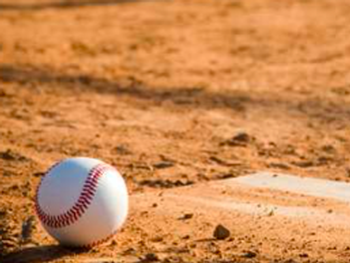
(40, 254)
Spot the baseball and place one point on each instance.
(82, 202)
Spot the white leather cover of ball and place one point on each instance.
(82, 201)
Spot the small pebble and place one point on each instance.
(27, 229)
(157, 239)
(221, 232)
(150, 257)
(163, 165)
(249, 254)
(186, 216)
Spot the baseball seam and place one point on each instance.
(81, 205)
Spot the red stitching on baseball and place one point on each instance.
(81, 205)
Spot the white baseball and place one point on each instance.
(82, 201)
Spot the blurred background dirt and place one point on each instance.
(173, 93)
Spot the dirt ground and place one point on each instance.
(177, 95)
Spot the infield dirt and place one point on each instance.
(179, 95)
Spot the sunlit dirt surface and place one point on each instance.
(178, 95)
